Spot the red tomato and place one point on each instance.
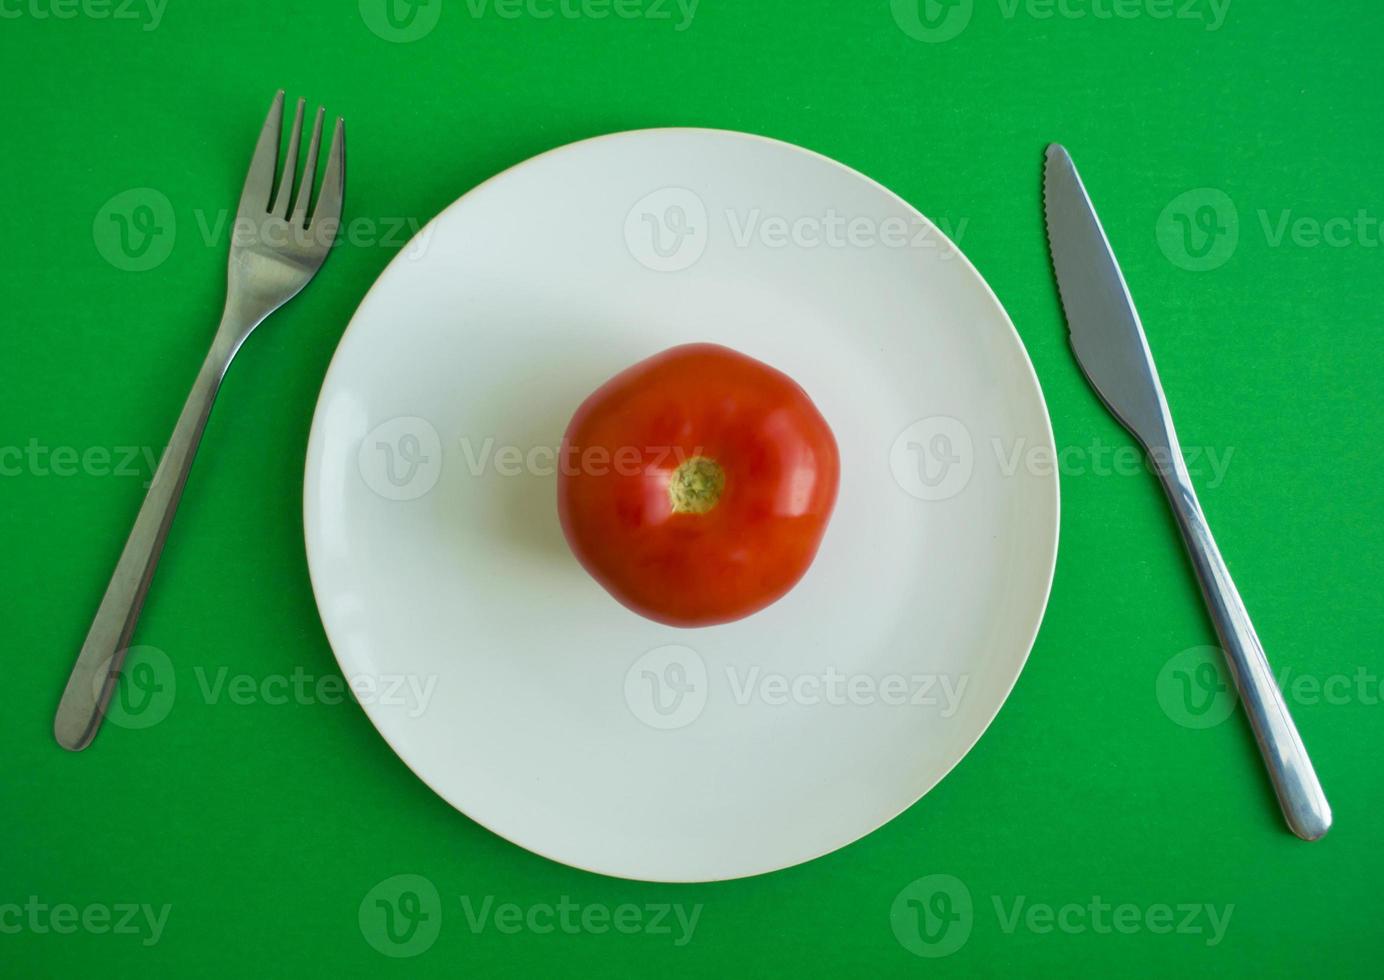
(696, 485)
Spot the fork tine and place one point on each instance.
(259, 182)
(333, 178)
(300, 204)
(290, 163)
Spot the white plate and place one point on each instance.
(510, 681)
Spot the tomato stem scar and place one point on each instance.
(696, 485)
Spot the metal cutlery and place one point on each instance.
(1108, 340)
(274, 253)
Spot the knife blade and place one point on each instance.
(1108, 340)
(1105, 331)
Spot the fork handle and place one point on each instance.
(94, 676)
(1294, 780)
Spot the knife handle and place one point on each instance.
(1294, 780)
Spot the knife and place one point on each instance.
(1110, 346)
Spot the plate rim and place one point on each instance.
(312, 466)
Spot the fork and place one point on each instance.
(274, 252)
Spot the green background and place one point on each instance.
(263, 826)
